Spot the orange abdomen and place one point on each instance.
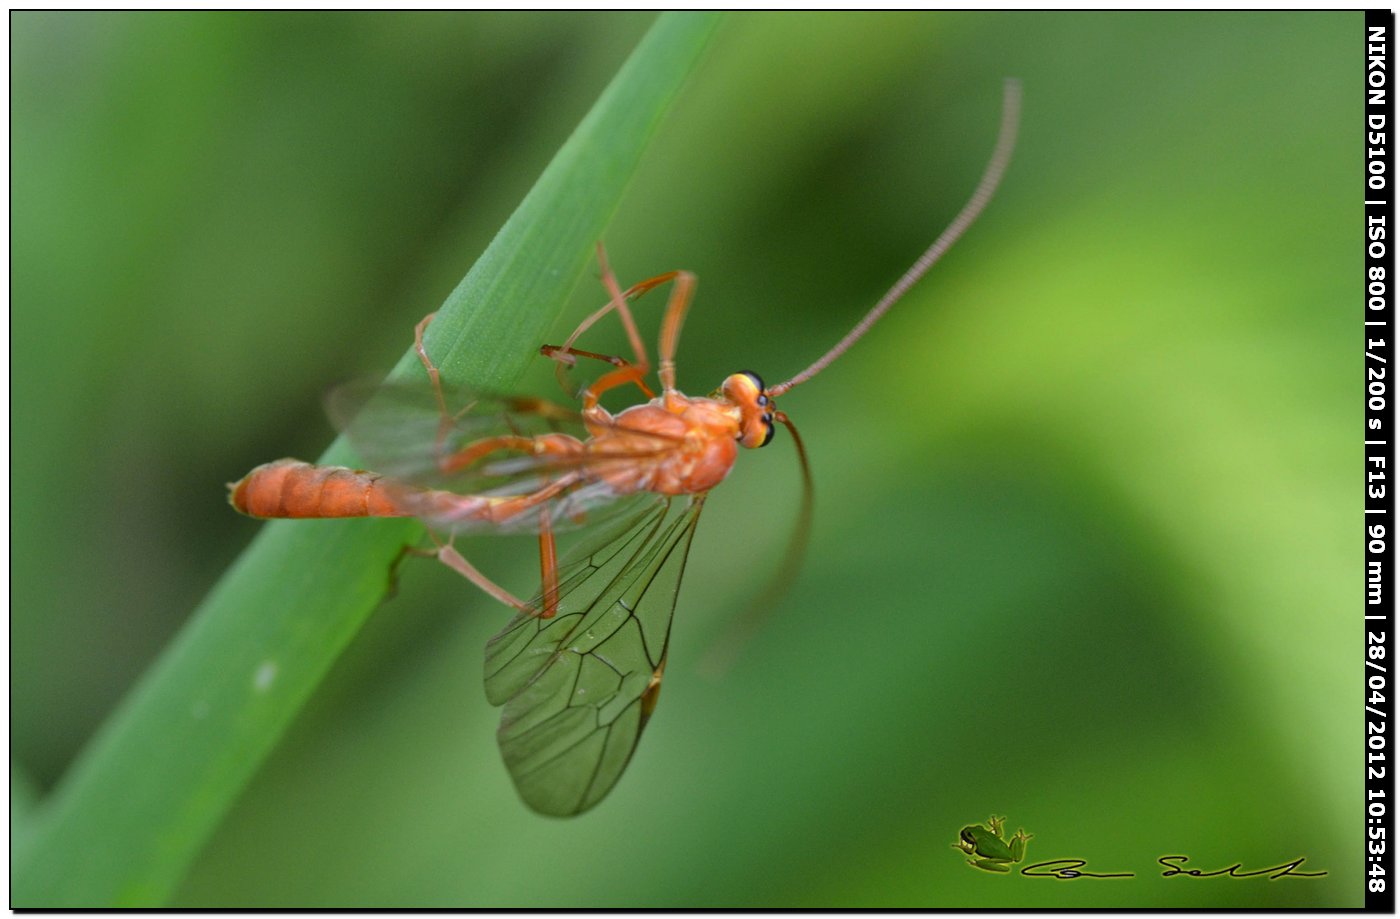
(292, 488)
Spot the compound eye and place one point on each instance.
(757, 380)
(768, 435)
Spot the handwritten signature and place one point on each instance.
(1069, 869)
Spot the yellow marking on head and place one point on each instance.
(746, 390)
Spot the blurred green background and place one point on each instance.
(1085, 543)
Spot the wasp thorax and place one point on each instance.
(746, 390)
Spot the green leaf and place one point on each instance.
(142, 799)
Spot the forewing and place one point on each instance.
(578, 688)
(398, 429)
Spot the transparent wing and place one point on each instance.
(399, 431)
(578, 688)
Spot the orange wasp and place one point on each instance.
(578, 669)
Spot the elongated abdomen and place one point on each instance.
(292, 488)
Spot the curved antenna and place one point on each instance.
(725, 650)
(996, 167)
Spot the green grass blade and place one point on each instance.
(143, 798)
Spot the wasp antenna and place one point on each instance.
(991, 178)
(725, 651)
